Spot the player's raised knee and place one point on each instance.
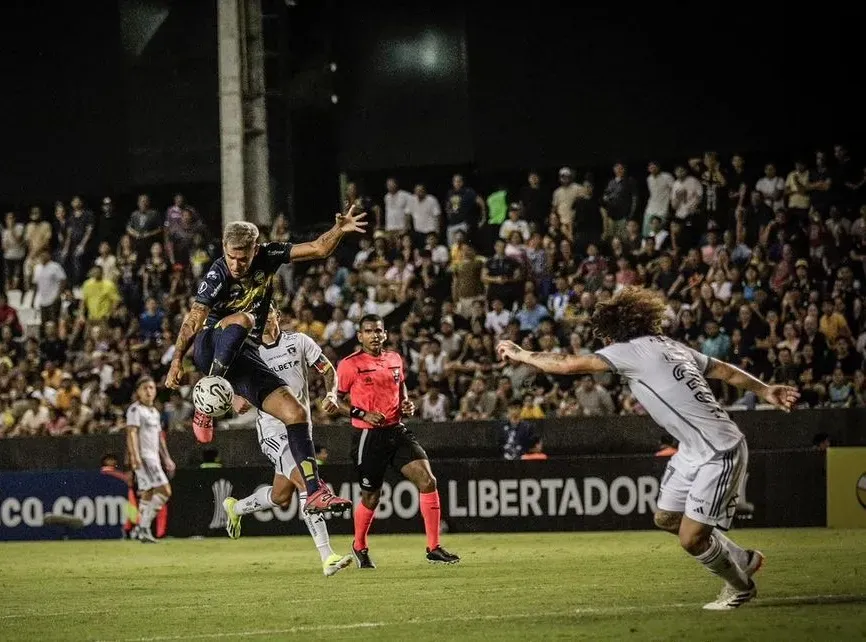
(282, 495)
(667, 520)
(694, 542)
(426, 483)
(243, 319)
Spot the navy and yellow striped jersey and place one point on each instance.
(225, 295)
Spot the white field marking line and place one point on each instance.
(590, 610)
(200, 607)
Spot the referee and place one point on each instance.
(371, 389)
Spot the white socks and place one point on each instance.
(318, 528)
(718, 561)
(259, 500)
(148, 508)
(316, 524)
(738, 555)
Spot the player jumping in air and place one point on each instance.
(372, 381)
(147, 455)
(289, 355)
(699, 487)
(225, 325)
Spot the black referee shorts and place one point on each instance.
(376, 449)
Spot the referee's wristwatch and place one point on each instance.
(357, 413)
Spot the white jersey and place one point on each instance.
(149, 424)
(289, 358)
(667, 378)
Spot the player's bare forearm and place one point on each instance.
(163, 451)
(344, 408)
(321, 248)
(556, 363)
(734, 376)
(192, 323)
(330, 377)
(132, 446)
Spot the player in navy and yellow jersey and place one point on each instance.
(225, 325)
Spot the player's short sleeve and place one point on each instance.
(211, 286)
(345, 377)
(277, 254)
(622, 358)
(133, 416)
(311, 350)
(702, 361)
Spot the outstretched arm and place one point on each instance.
(551, 362)
(325, 245)
(192, 323)
(782, 397)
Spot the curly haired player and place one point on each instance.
(699, 487)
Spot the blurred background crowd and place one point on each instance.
(761, 266)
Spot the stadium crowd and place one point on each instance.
(761, 267)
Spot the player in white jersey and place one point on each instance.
(147, 455)
(289, 355)
(699, 487)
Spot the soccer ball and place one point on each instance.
(212, 396)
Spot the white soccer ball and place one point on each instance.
(213, 396)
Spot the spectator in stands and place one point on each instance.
(464, 209)
(145, 226)
(9, 317)
(516, 435)
(98, 297)
(14, 251)
(620, 199)
(77, 242)
(659, 185)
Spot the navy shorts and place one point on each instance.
(249, 375)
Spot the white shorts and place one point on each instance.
(150, 475)
(705, 493)
(274, 442)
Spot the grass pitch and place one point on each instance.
(575, 586)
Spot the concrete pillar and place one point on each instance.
(231, 110)
(257, 182)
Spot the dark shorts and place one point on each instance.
(249, 375)
(377, 449)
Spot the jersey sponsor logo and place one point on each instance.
(202, 287)
(285, 365)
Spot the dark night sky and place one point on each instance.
(488, 85)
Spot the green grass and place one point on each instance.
(599, 586)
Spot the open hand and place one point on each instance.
(782, 397)
(351, 222)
